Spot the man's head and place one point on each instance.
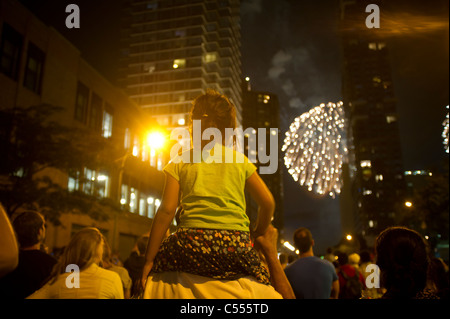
(30, 228)
(303, 240)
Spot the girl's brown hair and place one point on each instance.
(214, 110)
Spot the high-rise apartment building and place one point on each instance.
(376, 179)
(261, 110)
(173, 50)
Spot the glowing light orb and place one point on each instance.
(315, 150)
(445, 132)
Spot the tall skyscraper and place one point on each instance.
(376, 179)
(262, 110)
(173, 50)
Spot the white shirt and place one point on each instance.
(95, 283)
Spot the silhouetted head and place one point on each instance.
(29, 227)
(303, 239)
(403, 258)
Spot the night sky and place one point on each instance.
(291, 48)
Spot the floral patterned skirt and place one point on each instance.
(214, 253)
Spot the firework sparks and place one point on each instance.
(315, 150)
(445, 132)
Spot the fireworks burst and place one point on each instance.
(314, 149)
(445, 132)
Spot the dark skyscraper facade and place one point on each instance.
(261, 110)
(173, 50)
(375, 180)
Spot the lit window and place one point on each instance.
(376, 79)
(179, 63)
(379, 177)
(150, 207)
(142, 206)
(367, 192)
(210, 57)
(107, 124)
(123, 194)
(133, 200)
(127, 139)
(366, 163)
(372, 46)
(391, 118)
(371, 224)
(136, 146)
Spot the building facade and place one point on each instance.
(375, 174)
(261, 110)
(173, 50)
(39, 66)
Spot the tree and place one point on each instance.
(35, 147)
(429, 213)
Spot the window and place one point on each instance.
(179, 63)
(135, 146)
(96, 183)
(10, 48)
(81, 103)
(391, 119)
(74, 181)
(95, 112)
(127, 139)
(210, 57)
(150, 207)
(366, 163)
(123, 194)
(142, 205)
(133, 200)
(107, 124)
(34, 68)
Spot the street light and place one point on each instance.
(156, 140)
(349, 237)
(408, 204)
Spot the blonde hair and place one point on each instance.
(82, 251)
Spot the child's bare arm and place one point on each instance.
(266, 204)
(161, 223)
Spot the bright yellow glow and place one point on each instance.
(349, 237)
(175, 66)
(408, 204)
(289, 246)
(156, 140)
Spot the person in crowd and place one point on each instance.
(438, 279)
(9, 254)
(213, 239)
(403, 257)
(77, 275)
(354, 259)
(351, 280)
(107, 263)
(34, 265)
(311, 277)
(135, 263)
(369, 292)
(330, 256)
